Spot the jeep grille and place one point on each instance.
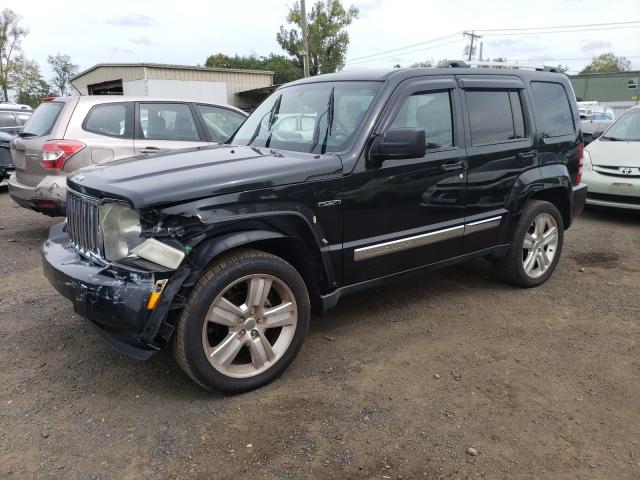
(83, 223)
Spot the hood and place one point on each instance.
(614, 153)
(190, 174)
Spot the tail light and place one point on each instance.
(56, 152)
(580, 163)
(48, 99)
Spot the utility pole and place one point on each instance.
(472, 36)
(305, 42)
(480, 56)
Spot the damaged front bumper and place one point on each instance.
(113, 298)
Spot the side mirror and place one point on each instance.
(399, 144)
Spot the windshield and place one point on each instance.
(314, 118)
(42, 120)
(626, 127)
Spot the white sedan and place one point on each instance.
(612, 164)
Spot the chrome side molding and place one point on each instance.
(407, 243)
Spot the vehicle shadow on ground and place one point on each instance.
(604, 214)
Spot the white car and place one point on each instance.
(6, 105)
(612, 164)
(595, 122)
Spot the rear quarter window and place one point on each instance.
(553, 109)
(43, 119)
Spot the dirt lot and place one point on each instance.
(543, 383)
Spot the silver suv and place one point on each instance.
(68, 133)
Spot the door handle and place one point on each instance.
(453, 166)
(149, 150)
(527, 155)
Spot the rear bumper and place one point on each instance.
(48, 197)
(112, 298)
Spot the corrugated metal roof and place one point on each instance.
(169, 66)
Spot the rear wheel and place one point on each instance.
(244, 322)
(536, 246)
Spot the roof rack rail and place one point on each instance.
(466, 64)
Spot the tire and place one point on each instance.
(529, 267)
(235, 335)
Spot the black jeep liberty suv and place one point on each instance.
(334, 184)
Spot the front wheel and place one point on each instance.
(536, 246)
(244, 322)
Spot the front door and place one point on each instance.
(407, 213)
(166, 126)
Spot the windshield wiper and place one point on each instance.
(613, 139)
(272, 119)
(316, 131)
(270, 114)
(27, 134)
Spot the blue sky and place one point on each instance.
(187, 32)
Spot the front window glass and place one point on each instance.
(316, 117)
(220, 123)
(43, 119)
(627, 127)
(431, 112)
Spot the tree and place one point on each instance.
(425, 63)
(284, 69)
(63, 70)
(28, 83)
(11, 35)
(328, 37)
(607, 63)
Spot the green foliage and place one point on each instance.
(63, 70)
(424, 63)
(285, 69)
(28, 83)
(607, 63)
(11, 35)
(328, 39)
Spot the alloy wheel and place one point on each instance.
(249, 326)
(540, 245)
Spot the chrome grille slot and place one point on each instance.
(83, 223)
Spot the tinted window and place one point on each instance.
(553, 108)
(220, 123)
(167, 121)
(494, 116)
(431, 112)
(43, 119)
(7, 119)
(108, 119)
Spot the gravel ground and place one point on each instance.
(398, 382)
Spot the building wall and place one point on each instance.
(197, 91)
(606, 87)
(183, 79)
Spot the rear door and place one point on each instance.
(166, 126)
(105, 128)
(500, 147)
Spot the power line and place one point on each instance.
(561, 31)
(404, 53)
(560, 26)
(404, 48)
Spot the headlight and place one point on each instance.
(586, 161)
(120, 227)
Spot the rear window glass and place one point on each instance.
(107, 119)
(43, 119)
(494, 116)
(554, 111)
(168, 121)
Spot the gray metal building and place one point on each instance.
(618, 90)
(212, 85)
